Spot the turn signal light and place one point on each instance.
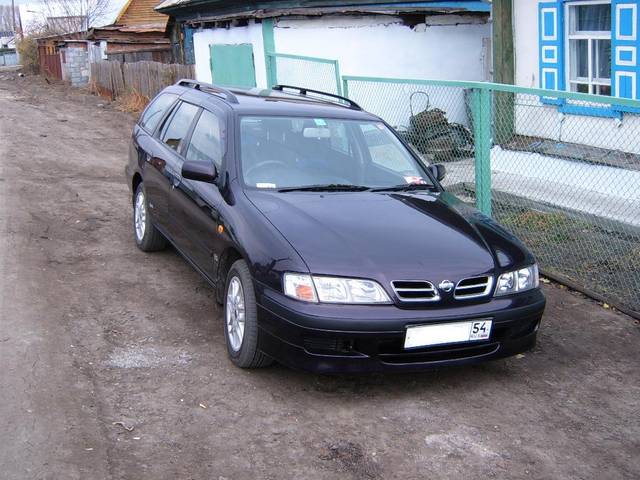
(305, 292)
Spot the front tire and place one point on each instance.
(241, 319)
(147, 236)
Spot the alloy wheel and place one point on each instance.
(235, 313)
(140, 216)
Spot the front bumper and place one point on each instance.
(351, 339)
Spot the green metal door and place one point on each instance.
(232, 65)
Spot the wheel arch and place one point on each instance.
(228, 257)
(135, 181)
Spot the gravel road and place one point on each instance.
(113, 364)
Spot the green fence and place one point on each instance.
(311, 72)
(560, 170)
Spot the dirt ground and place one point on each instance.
(94, 332)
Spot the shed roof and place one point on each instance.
(142, 13)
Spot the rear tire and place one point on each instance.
(146, 235)
(241, 319)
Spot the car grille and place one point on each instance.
(415, 291)
(473, 287)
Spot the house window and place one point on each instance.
(589, 47)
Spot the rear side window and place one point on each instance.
(174, 131)
(207, 140)
(155, 112)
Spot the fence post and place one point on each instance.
(481, 111)
(336, 65)
(269, 43)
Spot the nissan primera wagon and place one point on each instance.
(330, 244)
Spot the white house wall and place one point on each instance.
(538, 120)
(251, 33)
(382, 46)
(446, 47)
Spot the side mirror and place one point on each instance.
(200, 171)
(438, 171)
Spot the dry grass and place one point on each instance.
(132, 102)
(536, 220)
(96, 89)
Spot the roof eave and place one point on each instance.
(175, 7)
(261, 14)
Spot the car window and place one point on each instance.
(207, 140)
(385, 150)
(290, 152)
(340, 139)
(156, 110)
(176, 128)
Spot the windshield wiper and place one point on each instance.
(330, 187)
(405, 187)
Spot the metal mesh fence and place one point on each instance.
(435, 120)
(563, 174)
(314, 73)
(569, 186)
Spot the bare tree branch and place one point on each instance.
(66, 16)
(6, 22)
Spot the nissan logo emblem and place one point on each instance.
(446, 286)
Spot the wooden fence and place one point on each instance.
(146, 78)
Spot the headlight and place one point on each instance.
(333, 289)
(518, 281)
(300, 286)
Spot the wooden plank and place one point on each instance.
(503, 69)
(146, 78)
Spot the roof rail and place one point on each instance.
(207, 87)
(303, 91)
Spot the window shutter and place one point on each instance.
(551, 38)
(624, 46)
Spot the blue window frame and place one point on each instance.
(589, 46)
(551, 50)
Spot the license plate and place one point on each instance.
(443, 333)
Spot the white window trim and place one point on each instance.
(634, 18)
(626, 48)
(595, 35)
(555, 78)
(553, 58)
(631, 75)
(554, 11)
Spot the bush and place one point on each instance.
(28, 52)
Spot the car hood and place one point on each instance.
(389, 236)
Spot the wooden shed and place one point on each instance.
(139, 33)
(49, 52)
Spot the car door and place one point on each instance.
(146, 147)
(165, 162)
(194, 205)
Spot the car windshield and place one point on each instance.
(291, 153)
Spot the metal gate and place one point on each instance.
(300, 71)
(8, 58)
(49, 59)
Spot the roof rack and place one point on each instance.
(207, 87)
(303, 91)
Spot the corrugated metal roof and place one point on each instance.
(141, 12)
